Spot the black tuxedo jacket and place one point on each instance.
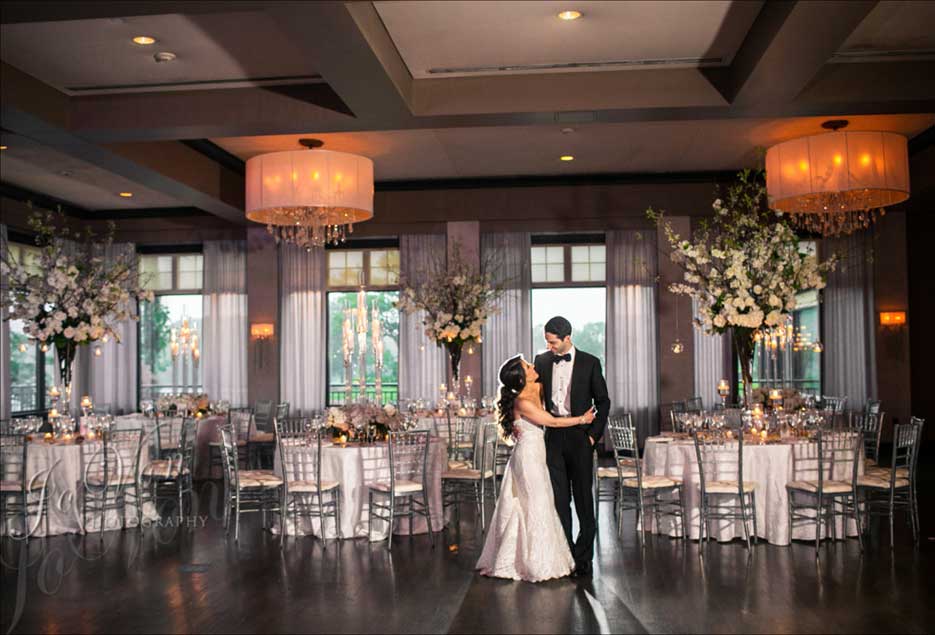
(587, 387)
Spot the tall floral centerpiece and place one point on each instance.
(457, 301)
(71, 295)
(744, 268)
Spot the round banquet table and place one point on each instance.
(355, 465)
(61, 467)
(770, 465)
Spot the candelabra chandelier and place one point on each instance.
(184, 342)
(787, 337)
(309, 198)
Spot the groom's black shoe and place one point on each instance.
(582, 572)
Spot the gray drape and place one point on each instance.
(224, 307)
(632, 377)
(849, 358)
(422, 364)
(304, 334)
(509, 331)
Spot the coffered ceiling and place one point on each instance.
(434, 90)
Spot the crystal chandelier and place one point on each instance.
(310, 198)
(839, 182)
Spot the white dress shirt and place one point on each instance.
(561, 386)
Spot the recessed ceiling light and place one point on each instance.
(569, 15)
(144, 40)
(2, 147)
(126, 194)
(567, 130)
(567, 157)
(164, 56)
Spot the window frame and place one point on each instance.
(367, 246)
(176, 252)
(567, 242)
(366, 250)
(25, 242)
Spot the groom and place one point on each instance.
(572, 382)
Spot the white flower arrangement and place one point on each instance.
(72, 296)
(457, 303)
(746, 269)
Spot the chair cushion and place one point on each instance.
(11, 486)
(163, 468)
(611, 472)
(311, 487)
(628, 462)
(96, 480)
(650, 482)
(455, 464)
(266, 477)
(884, 472)
(402, 487)
(870, 462)
(728, 487)
(829, 487)
(465, 474)
(880, 482)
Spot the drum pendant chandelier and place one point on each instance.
(835, 183)
(310, 198)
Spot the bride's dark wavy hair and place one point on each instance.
(512, 382)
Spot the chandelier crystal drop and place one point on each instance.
(839, 182)
(309, 198)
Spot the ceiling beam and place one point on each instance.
(13, 12)
(34, 110)
(353, 52)
(787, 46)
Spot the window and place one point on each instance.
(568, 279)
(378, 270)
(174, 316)
(32, 370)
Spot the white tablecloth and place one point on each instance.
(61, 467)
(771, 466)
(355, 465)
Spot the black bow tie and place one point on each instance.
(561, 358)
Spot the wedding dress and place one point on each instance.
(525, 540)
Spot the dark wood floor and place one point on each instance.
(193, 580)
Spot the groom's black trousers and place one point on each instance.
(570, 457)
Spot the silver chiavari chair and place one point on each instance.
(111, 475)
(870, 426)
(609, 479)
(305, 493)
(22, 496)
(475, 483)
(895, 488)
(168, 435)
(693, 404)
(725, 494)
(642, 492)
(816, 501)
(246, 491)
(172, 477)
(408, 483)
(503, 450)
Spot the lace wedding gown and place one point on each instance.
(525, 540)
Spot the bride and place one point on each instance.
(526, 540)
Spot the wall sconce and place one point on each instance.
(261, 333)
(892, 318)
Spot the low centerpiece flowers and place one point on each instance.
(744, 269)
(457, 301)
(361, 420)
(72, 295)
